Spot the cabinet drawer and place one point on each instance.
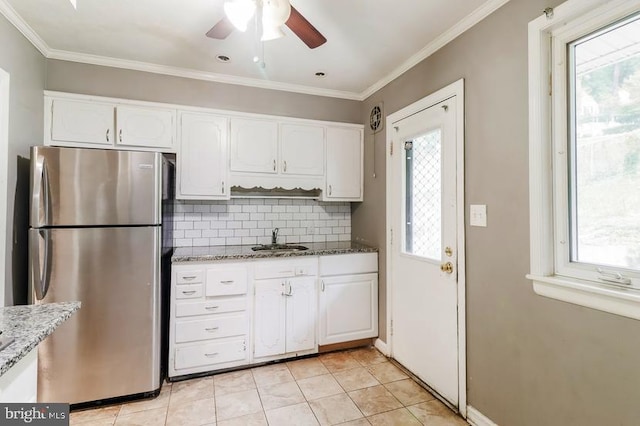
(286, 268)
(211, 353)
(346, 264)
(210, 307)
(189, 291)
(224, 282)
(190, 276)
(212, 328)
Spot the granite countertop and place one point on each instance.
(29, 325)
(205, 254)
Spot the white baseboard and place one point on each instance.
(476, 418)
(382, 347)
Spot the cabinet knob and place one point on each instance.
(285, 166)
(120, 135)
(330, 189)
(274, 165)
(223, 187)
(108, 135)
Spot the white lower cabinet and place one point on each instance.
(209, 323)
(285, 307)
(230, 314)
(348, 297)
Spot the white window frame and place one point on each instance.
(552, 273)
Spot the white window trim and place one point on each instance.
(608, 298)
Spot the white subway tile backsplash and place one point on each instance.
(250, 221)
(193, 234)
(210, 233)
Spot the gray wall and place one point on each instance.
(119, 83)
(531, 360)
(27, 68)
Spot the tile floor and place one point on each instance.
(355, 387)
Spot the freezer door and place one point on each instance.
(111, 346)
(94, 187)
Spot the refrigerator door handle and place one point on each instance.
(40, 278)
(41, 202)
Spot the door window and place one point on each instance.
(423, 196)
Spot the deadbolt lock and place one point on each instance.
(447, 267)
(448, 251)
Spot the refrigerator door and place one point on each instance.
(111, 346)
(94, 187)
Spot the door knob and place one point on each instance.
(447, 267)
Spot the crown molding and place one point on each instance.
(469, 21)
(195, 74)
(12, 16)
(466, 23)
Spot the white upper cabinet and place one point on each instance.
(302, 150)
(254, 146)
(80, 122)
(145, 127)
(344, 164)
(202, 159)
(90, 122)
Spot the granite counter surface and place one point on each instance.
(205, 254)
(29, 325)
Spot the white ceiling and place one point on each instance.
(369, 42)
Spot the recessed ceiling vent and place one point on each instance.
(376, 123)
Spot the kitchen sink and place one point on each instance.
(279, 247)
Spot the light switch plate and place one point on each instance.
(478, 215)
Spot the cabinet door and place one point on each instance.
(202, 159)
(269, 318)
(254, 146)
(82, 122)
(302, 150)
(348, 308)
(301, 314)
(344, 164)
(145, 127)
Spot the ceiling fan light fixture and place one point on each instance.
(274, 15)
(272, 33)
(240, 12)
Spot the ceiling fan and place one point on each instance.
(272, 14)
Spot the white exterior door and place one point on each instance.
(269, 318)
(202, 163)
(302, 150)
(254, 146)
(301, 314)
(423, 209)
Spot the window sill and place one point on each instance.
(619, 301)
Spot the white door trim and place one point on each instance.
(454, 89)
(4, 177)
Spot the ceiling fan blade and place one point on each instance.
(304, 30)
(221, 30)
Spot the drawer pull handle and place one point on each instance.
(189, 292)
(189, 277)
(211, 355)
(211, 308)
(212, 328)
(226, 282)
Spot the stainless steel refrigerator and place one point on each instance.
(96, 236)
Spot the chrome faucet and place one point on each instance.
(274, 236)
